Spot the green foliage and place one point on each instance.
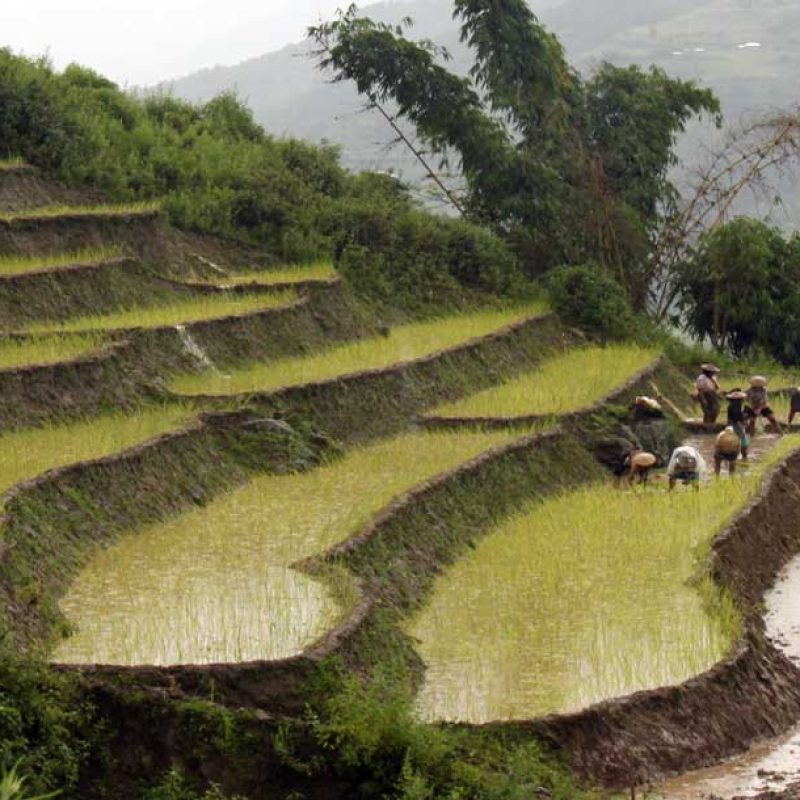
(589, 298)
(740, 291)
(568, 171)
(375, 743)
(175, 786)
(46, 730)
(216, 168)
(12, 786)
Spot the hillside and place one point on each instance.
(289, 97)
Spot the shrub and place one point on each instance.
(589, 298)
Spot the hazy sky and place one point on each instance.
(149, 40)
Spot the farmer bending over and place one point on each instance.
(640, 464)
(758, 404)
(686, 466)
(737, 418)
(727, 448)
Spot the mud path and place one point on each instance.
(772, 766)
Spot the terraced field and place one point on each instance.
(27, 453)
(105, 210)
(183, 311)
(217, 585)
(20, 265)
(403, 343)
(322, 271)
(16, 353)
(579, 599)
(562, 384)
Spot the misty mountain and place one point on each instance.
(748, 51)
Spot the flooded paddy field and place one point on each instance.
(27, 453)
(217, 585)
(183, 311)
(582, 598)
(561, 384)
(403, 343)
(15, 353)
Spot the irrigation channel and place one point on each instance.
(770, 766)
(509, 634)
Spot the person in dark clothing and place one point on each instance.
(737, 418)
(794, 404)
(708, 393)
(758, 405)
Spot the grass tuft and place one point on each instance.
(319, 271)
(43, 350)
(110, 210)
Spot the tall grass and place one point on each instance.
(109, 210)
(581, 598)
(28, 453)
(183, 311)
(318, 271)
(216, 584)
(12, 162)
(19, 265)
(562, 384)
(46, 349)
(404, 343)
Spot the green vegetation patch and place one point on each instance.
(216, 585)
(592, 595)
(19, 265)
(562, 384)
(28, 453)
(47, 349)
(111, 210)
(403, 343)
(11, 163)
(319, 271)
(183, 311)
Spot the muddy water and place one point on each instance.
(581, 599)
(216, 585)
(773, 765)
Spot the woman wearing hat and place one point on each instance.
(758, 404)
(640, 463)
(727, 449)
(737, 418)
(708, 393)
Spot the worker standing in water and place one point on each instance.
(707, 387)
(727, 449)
(737, 419)
(687, 466)
(758, 405)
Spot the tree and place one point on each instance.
(566, 170)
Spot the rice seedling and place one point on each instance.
(320, 271)
(27, 453)
(182, 311)
(216, 585)
(110, 210)
(581, 598)
(562, 384)
(404, 343)
(19, 265)
(47, 349)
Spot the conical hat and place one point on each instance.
(728, 442)
(737, 394)
(710, 368)
(644, 460)
(758, 381)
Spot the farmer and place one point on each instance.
(639, 465)
(758, 405)
(727, 448)
(737, 418)
(686, 466)
(794, 404)
(708, 393)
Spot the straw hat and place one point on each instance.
(643, 460)
(648, 403)
(710, 368)
(736, 394)
(728, 442)
(758, 382)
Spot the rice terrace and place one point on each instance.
(312, 491)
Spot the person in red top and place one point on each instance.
(708, 393)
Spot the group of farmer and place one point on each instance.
(744, 408)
